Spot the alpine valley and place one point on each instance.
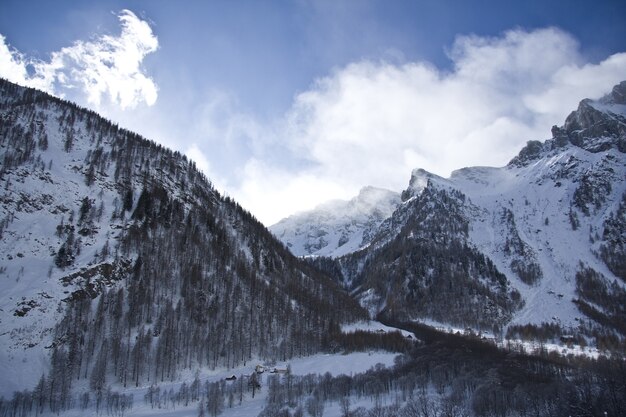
(130, 286)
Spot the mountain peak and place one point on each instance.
(420, 178)
(337, 227)
(617, 95)
(372, 196)
(595, 126)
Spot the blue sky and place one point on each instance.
(286, 104)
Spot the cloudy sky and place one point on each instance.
(288, 103)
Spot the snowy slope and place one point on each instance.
(337, 227)
(102, 230)
(542, 196)
(37, 201)
(539, 198)
(45, 199)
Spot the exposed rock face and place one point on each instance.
(599, 125)
(596, 126)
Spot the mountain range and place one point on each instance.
(122, 268)
(540, 241)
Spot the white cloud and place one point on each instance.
(12, 64)
(371, 123)
(105, 66)
(368, 123)
(194, 153)
(272, 193)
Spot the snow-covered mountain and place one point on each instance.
(541, 240)
(337, 227)
(120, 263)
(128, 285)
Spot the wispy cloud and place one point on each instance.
(371, 123)
(107, 67)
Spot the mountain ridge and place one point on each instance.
(540, 226)
(107, 235)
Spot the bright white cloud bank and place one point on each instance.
(108, 66)
(371, 123)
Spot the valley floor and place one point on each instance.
(445, 370)
(334, 364)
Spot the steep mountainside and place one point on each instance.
(121, 264)
(541, 240)
(337, 227)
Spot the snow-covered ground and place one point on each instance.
(531, 347)
(335, 364)
(372, 326)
